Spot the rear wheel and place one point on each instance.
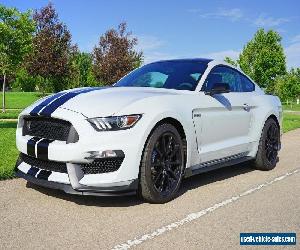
(267, 154)
(162, 165)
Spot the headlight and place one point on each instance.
(114, 122)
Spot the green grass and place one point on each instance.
(8, 150)
(10, 114)
(293, 107)
(20, 100)
(290, 122)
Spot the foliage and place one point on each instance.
(16, 31)
(25, 82)
(115, 56)
(51, 50)
(263, 58)
(82, 70)
(287, 87)
(231, 61)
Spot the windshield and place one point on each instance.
(183, 75)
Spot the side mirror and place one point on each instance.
(218, 88)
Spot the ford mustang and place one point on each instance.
(162, 122)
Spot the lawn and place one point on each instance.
(20, 100)
(290, 122)
(293, 107)
(8, 149)
(10, 114)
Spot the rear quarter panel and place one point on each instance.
(264, 107)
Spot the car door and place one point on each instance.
(222, 121)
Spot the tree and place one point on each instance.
(51, 50)
(263, 58)
(231, 61)
(287, 87)
(115, 55)
(16, 31)
(25, 82)
(81, 64)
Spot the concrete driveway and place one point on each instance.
(210, 213)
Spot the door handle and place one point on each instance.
(246, 107)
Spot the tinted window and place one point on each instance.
(151, 79)
(168, 74)
(221, 74)
(247, 85)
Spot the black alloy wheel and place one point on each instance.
(269, 145)
(162, 165)
(166, 162)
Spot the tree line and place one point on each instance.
(263, 59)
(37, 54)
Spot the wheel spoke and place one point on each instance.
(174, 163)
(172, 174)
(158, 177)
(157, 164)
(164, 144)
(158, 150)
(174, 151)
(169, 147)
(161, 183)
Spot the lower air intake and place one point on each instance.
(42, 164)
(102, 166)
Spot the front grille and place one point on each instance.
(102, 166)
(47, 165)
(50, 128)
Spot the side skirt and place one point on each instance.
(216, 164)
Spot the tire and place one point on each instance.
(267, 154)
(162, 165)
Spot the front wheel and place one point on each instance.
(162, 165)
(267, 154)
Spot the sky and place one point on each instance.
(180, 29)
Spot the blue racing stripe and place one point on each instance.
(42, 149)
(48, 110)
(38, 108)
(33, 171)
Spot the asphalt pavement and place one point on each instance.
(210, 212)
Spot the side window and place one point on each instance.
(222, 74)
(247, 85)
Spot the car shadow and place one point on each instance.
(221, 174)
(223, 100)
(128, 201)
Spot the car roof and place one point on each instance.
(199, 60)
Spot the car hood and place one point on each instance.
(108, 101)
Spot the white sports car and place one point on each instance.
(160, 123)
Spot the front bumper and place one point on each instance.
(121, 181)
(127, 188)
(68, 177)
